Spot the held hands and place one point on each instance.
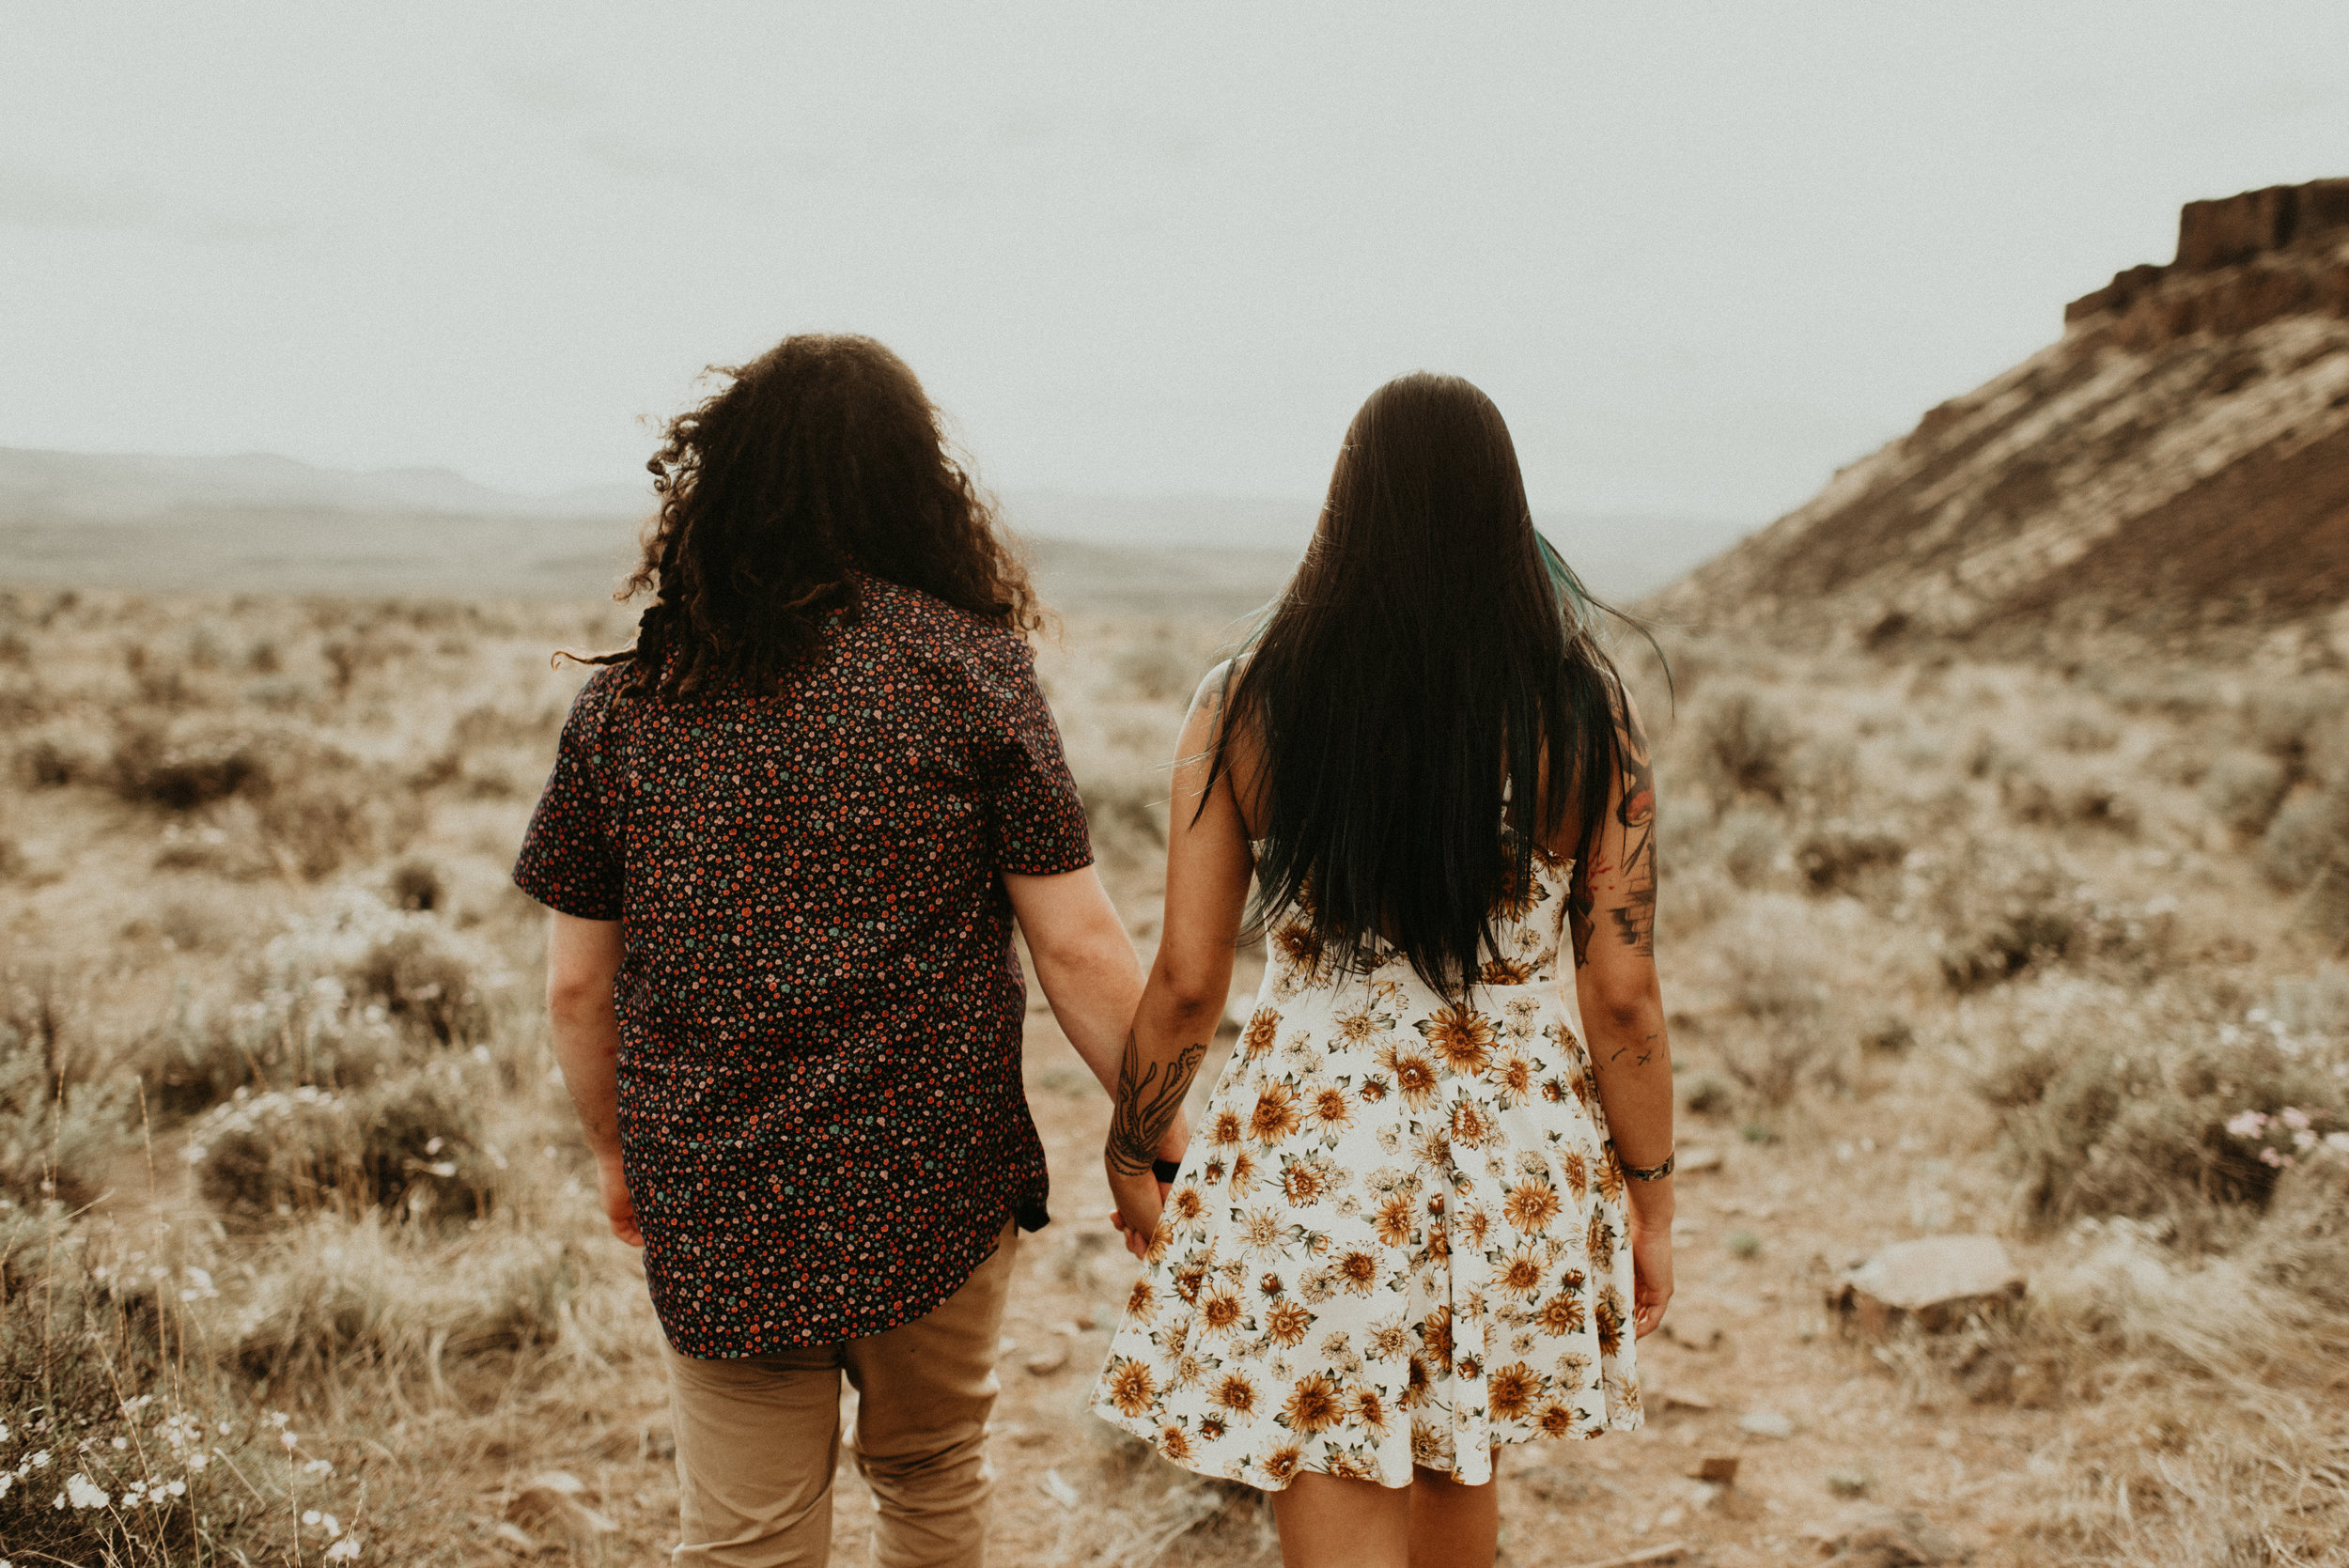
(618, 1207)
(1139, 1195)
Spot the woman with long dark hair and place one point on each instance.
(785, 839)
(1429, 1209)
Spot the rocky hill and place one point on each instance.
(2176, 467)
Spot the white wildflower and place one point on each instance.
(85, 1492)
(344, 1550)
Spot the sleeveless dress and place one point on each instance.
(1398, 1235)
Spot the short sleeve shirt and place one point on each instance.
(822, 1116)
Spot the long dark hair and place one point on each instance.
(1429, 699)
(820, 458)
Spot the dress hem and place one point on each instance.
(1147, 1433)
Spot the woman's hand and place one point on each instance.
(1650, 1241)
(1170, 1148)
(1140, 1198)
(618, 1207)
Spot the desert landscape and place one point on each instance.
(2005, 792)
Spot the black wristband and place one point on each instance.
(1651, 1173)
(1166, 1169)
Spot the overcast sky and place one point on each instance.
(1700, 254)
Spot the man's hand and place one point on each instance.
(618, 1207)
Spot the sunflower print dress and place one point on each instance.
(1398, 1234)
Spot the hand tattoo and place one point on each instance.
(1147, 1104)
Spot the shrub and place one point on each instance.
(2242, 790)
(419, 976)
(1749, 840)
(2000, 919)
(1708, 1095)
(2110, 1106)
(114, 1451)
(314, 805)
(2291, 721)
(1775, 979)
(2182, 760)
(2310, 834)
(2325, 908)
(1826, 775)
(1770, 960)
(2081, 802)
(1156, 669)
(1741, 744)
(293, 1033)
(58, 1138)
(1126, 815)
(337, 1292)
(410, 964)
(416, 884)
(411, 1146)
(152, 767)
(2081, 730)
(2304, 1243)
(65, 1120)
(63, 752)
(341, 999)
(1839, 859)
(330, 814)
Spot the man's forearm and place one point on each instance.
(1094, 1000)
(587, 1048)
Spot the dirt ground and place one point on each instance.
(1852, 856)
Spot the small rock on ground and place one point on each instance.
(1890, 1539)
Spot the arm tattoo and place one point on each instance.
(1147, 1104)
(1647, 1051)
(1635, 917)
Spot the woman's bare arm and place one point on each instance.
(1209, 865)
(1613, 917)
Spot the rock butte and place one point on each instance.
(2173, 470)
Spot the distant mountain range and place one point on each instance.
(263, 523)
(109, 488)
(2174, 472)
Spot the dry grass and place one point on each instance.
(1950, 947)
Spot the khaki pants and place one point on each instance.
(758, 1438)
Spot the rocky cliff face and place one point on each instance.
(2176, 467)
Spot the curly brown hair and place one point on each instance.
(821, 459)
